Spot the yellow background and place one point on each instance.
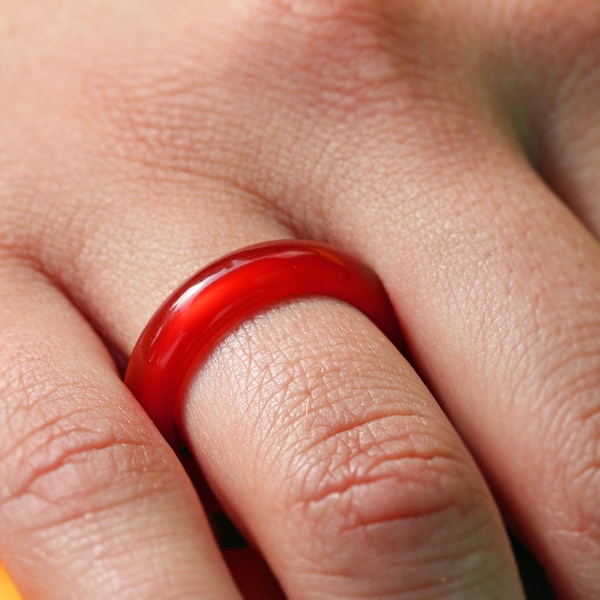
(7, 589)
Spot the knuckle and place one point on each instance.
(366, 476)
(566, 446)
(556, 358)
(166, 102)
(391, 496)
(68, 467)
(349, 51)
(330, 9)
(63, 457)
(363, 449)
(580, 480)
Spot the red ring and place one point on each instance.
(187, 327)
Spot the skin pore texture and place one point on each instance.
(453, 147)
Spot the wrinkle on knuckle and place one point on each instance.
(65, 470)
(358, 496)
(413, 498)
(63, 455)
(368, 473)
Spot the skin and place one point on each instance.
(452, 146)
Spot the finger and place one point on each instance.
(92, 502)
(351, 480)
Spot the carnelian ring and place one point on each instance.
(188, 326)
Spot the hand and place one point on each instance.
(451, 146)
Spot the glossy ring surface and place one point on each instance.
(187, 327)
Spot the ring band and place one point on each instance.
(187, 327)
